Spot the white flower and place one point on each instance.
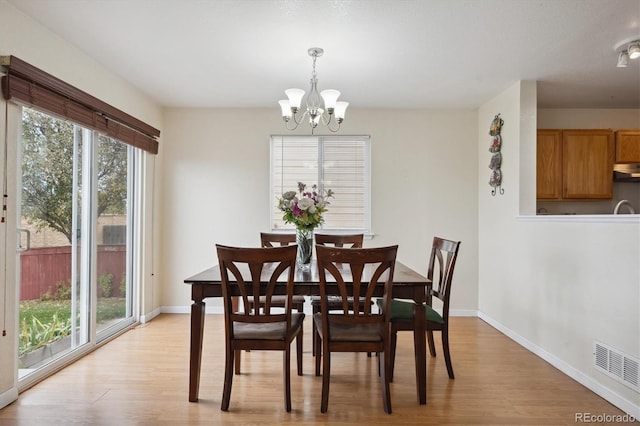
(312, 209)
(305, 204)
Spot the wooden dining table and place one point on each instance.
(407, 284)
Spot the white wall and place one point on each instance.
(556, 286)
(215, 187)
(24, 38)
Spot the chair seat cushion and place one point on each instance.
(266, 331)
(401, 309)
(351, 333)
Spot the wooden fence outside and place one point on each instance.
(42, 268)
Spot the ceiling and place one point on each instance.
(378, 53)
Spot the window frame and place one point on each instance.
(319, 140)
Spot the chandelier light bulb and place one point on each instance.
(341, 108)
(295, 97)
(330, 97)
(285, 105)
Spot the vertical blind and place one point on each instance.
(339, 163)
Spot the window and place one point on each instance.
(339, 163)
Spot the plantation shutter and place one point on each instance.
(29, 85)
(294, 159)
(338, 163)
(344, 170)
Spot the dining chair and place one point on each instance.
(442, 262)
(357, 273)
(334, 302)
(272, 239)
(251, 273)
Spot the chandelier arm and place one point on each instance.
(324, 120)
(329, 127)
(286, 125)
(301, 119)
(329, 121)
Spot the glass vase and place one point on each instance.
(304, 239)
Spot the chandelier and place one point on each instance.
(320, 107)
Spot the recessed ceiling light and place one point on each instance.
(634, 49)
(627, 49)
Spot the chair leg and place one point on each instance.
(383, 360)
(287, 378)
(447, 354)
(392, 353)
(326, 367)
(314, 330)
(432, 346)
(228, 378)
(318, 345)
(299, 350)
(238, 358)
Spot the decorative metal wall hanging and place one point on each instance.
(495, 180)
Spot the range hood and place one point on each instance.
(626, 172)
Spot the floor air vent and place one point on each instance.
(614, 363)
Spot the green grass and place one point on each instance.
(44, 310)
(110, 308)
(46, 321)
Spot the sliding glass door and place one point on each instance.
(75, 245)
(114, 172)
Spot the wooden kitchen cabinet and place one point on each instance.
(549, 165)
(574, 164)
(627, 146)
(587, 164)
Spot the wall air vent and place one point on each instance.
(618, 365)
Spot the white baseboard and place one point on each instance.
(627, 406)
(8, 396)
(151, 315)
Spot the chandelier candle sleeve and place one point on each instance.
(316, 103)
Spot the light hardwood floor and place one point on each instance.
(141, 378)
